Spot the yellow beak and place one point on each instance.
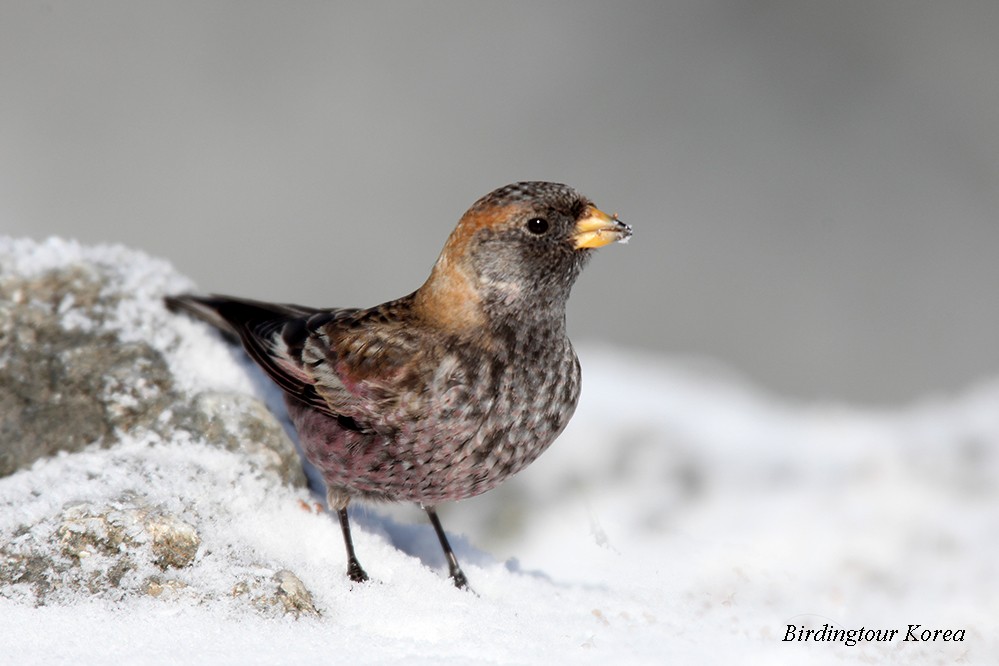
(596, 229)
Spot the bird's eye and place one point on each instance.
(537, 225)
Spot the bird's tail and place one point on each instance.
(267, 331)
(232, 315)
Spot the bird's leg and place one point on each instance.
(338, 501)
(457, 575)
(354, 570)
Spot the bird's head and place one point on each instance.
(516, 252)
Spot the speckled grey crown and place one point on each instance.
(531, 191)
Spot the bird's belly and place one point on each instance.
(434, 459)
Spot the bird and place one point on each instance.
(444, 393)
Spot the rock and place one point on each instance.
(96, 550)
(66, 388)
(142, 430)
(174, 542)
(71, 380)
(156, 587)
(242, 423)
(128, 548)
(293, 595)
(282, 593)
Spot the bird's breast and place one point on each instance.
(479, 418)
(518, 405)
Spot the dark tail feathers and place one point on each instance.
(229, 314)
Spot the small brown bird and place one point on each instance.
(442, 394)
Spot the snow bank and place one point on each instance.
(683, 517)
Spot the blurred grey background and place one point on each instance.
(813, 185)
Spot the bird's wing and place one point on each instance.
(366, 368)
(370, 373)
(266, 343)
(363, 367)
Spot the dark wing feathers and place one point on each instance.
(291, 343)
(265, 330)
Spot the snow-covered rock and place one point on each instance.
(90, 359)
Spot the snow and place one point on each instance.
(685, 516)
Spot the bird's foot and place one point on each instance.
(355, 572)
(459, 579)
